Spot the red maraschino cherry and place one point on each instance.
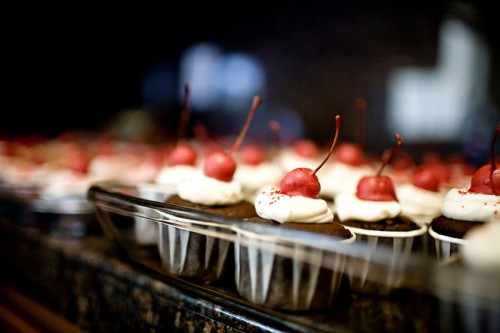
(486, 180)
(378, 187)
(304, 181)
(426, 178)
(349, 153)
(306, 148)
(182, 154)
(252, 155)
(221, 165)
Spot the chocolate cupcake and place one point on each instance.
(293, 276)
(464, 209)
(374, 214)
(274, 267)
(211, 190)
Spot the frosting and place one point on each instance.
(459, 204)
(339, 177)
(65, 182)
(350, 207)
(208, 191)
(419, 204)
(290, 160)
(255, 177)
(482, 246)
(172, 176)
(271, 204)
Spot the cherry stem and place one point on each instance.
(387, 157)
(337, 127)
(493, 164)
(184, 117)
(256, 102)
(275, 129)
(493, 142)
(360, 105)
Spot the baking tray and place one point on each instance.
(427, 294)
(71, 215)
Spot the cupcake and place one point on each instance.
(302, 153)
(298, 277)
(256, 171)
(344, 172)
(374, 214)
(467, 208)
(179, 164)
(212, 190)
(467, 282)
(422, 197)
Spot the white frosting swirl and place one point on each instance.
(419, 204)
(209, 191)
(270, 204)
(172, 176)
(350, 207)
(290, 160)
(255, 177)
(338, 177)
(459, 204)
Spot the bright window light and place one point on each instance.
(432, 105)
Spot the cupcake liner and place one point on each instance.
(470, 303)
(445, 246)
(190, 254)
(380, 267)
(293, 277)
(145, 230)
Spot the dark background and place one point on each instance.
(77, 67)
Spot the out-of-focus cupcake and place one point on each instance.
(344, 171)
(303, 153)
(256, 170)
(421, 198)
(467, 282)
(182, 162)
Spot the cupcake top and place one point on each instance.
(461, 204)
(272, 204)
(172, 176)
(297, 198)
(256, 171)
(374, 198)
(422, 197)
(350, 207)
(210, 191)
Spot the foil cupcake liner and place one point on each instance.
(190, 254)
(470, 303)
(146, 232)
(367, 273)
(445, 246)
(294, 278)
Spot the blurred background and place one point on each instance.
(429, 71)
